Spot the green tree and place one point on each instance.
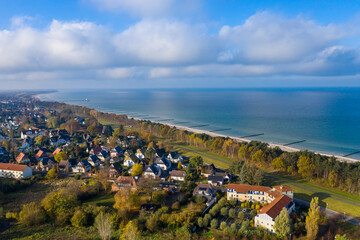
(40, 140)
(103, 224)
(241, 216)
(130, 232)
(278, 163)
(196, 161)
(32, 214)
(200, 222)
(232, 213)
(137, 169)
(60, 156)
(224, 212)
(79, 219)
(282, 224)
(118, 132)
(214, 223)
(223, 225)
(313, 219)
(341, 237)
(258, 177)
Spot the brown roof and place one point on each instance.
(275, 207)
(177, 173)
(13, 167)
(126, 180)
(39, 154)
(57, 150)
(204, 187)
(282, 188)
(20, 157)
(244, 188)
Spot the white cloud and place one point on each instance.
(264, 45)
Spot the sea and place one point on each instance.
(325, 120)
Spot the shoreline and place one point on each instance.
(238, 139)
(212, 134)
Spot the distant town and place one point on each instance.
(61, 169)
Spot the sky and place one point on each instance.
(179, 43)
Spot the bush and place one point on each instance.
(222, 202)
(77, 176)
(176, 205)
(232, 213)
(11, 215)
(79, 219)
(214, 223)
(63, 219)
(32, 214)
(224, 212)
(51, 174)
(223, 225)
(241, 216)
(206, 220)
(200, 222)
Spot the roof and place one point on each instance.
(215, 178)
(20, 157)
(126, 180)
(97, 149)
(177, 173)
(275, 207)
(12, 167)
(57, 150)
(244, 188)
(282, 188)
(204, 187)
(39, 154)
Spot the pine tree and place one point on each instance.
(313, 219)
(283, 224)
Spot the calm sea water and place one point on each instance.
(328, 119)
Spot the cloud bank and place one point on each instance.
(266, 44)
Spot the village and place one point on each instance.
(54, 145)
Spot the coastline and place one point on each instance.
(238, 139)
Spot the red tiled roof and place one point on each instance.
(39, 154)
(57, 150)
(283, 188)
(243, 188)
(13, 167)
(275, 207)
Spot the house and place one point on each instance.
(208, 170)
(22, 159)
(40, 154)
(32, 133)
(46, 163)
(130, 160)
(205, 190)
(177, 175)
(94, 160)
(175, 157)
(159, 153)
(124, 182)
(3, 154)
(80, 120)
(268, 214)
(27, 142)
(163, 163)
(103, 156)
(152, 171)
(96, 150)
(216, 180)
(116, 152)
(244, 192)
(82, 167)
(56, 151)
(8, 170)
(225, 175)
(64, 166)
(139, 154)
(128, 152)
(115, 169)
(59, 140)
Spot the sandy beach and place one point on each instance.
(282, 147)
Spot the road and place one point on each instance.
(328, 212)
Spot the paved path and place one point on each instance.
(327, 211)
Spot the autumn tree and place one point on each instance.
(125, 201)
(137, 169)
(60, 156)
(103, 224)
(130, 232)
(313, 219)
(305, 166)
(32, 214)
(283, 224)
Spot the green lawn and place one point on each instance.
(102, 200)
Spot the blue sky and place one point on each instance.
(173, 43)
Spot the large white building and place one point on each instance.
(8, 170)
(278, 197)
